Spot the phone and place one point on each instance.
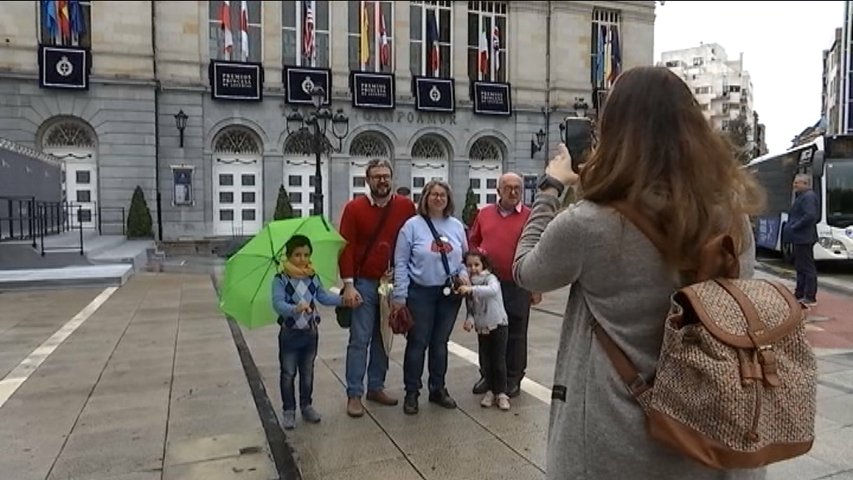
(577, 136)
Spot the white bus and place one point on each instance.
(829, 161)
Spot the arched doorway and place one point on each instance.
(299, 169)
(430, 160)
(486, 167)
(364, 148)
(73, 142)
(237, 183)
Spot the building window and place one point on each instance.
(429, 148)
(430, 56)
(369, 145)
(374, 52)
(69, 133)
(606, 48)
(298, 20)
(487, 41)
(698, 61)
(69, 26)
(226, 37)
(237, 140)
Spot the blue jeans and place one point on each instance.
(363, 335)
(434, 315)
(297, 350)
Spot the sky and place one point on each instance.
(782, 45)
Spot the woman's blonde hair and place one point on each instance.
(657, 151)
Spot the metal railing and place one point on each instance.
(111, 219)
(25, 218)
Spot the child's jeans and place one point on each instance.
(493, 346)
(297, 350)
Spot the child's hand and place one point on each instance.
(465, 289)
(302, 307)
(468, 325)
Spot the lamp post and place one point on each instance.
(181, 123)
(537, 142)
(316, 124)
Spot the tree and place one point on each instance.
(737, 134)
(283, 208)
(139, 217)
(469, 213)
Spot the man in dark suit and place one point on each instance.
(801, 232)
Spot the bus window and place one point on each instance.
(839, 192)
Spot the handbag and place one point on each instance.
(401, 321)
(452, 282)
(344, 314)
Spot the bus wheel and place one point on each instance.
(788, 253)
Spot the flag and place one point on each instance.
(483, 56)
(615, 53)
(225, 18)
(64, 25)
(51, 25)
(364, 45)
(432, 44)
(244, 31)
(308, 32)
(384, 46)
(599, 74)
(607, 63)
(496, 47)
(78, 21)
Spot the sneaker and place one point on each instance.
(503, 401)
(481, 387)
(809, 303)
(488, 399)
(410, 403)
(288, 421)
(310, 415)
(443, 398)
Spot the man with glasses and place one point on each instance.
(496, 230)
(370, 225)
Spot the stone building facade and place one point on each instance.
(144, 62)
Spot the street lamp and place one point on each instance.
(536, 145)
(316, 124)
(181, 123)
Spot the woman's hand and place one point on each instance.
(560, 167)
(302, 307)
(397, 305)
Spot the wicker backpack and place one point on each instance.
(736, 379)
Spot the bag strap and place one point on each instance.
(386, 212)
(440, 245)
(623, 365)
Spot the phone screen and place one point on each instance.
(578, 137)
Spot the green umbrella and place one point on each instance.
(246, 294)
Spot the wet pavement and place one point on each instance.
(150, 385)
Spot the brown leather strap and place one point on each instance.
(755, 327)
(643, 224)
(624, 367)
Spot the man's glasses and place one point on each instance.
(377, 178)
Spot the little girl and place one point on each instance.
(486, 314)
(294, 293)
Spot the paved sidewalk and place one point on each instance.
(149, 387)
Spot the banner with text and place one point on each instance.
(299, 81)
(492, 99)
(372, 90)
(434, 94)
(237, 81)
(64, 67)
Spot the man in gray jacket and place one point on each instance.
(801, 232)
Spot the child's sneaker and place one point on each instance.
(288, 420)
(488, 399)
(310, 415)
(503, 402)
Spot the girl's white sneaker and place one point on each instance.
(488, 399)
(503, 402)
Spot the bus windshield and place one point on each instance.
(839, 193)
